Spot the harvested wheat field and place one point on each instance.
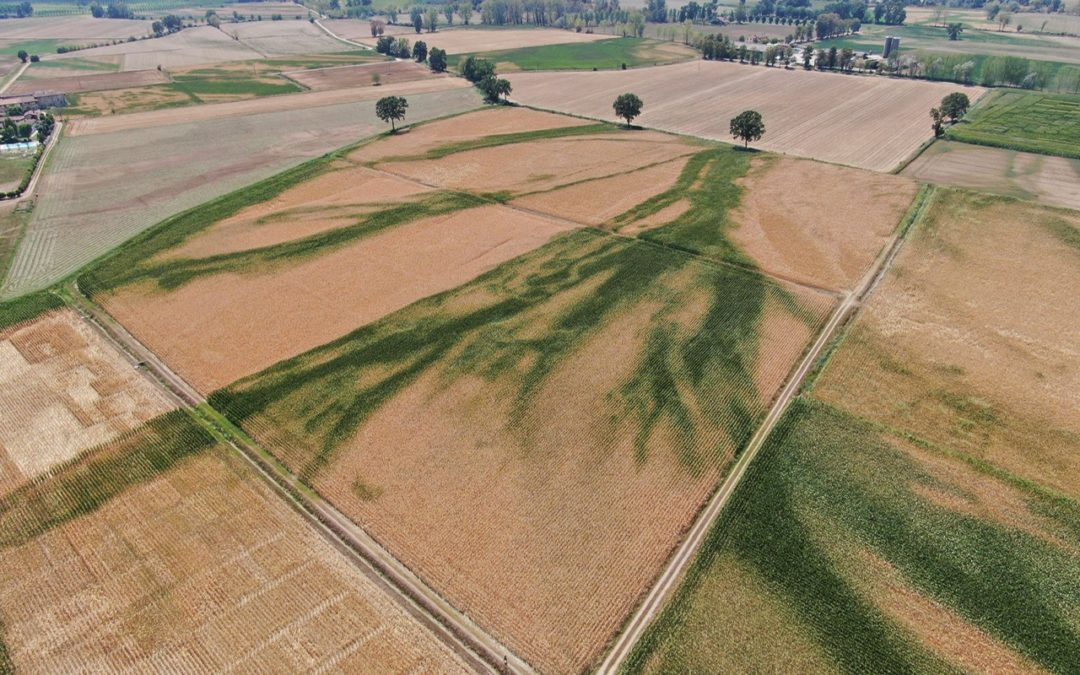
(74, 28)
(63, 390)
(340, 77)
(419, 140)
(568, 414)
(189, 47)
(818, 224)
(163, 551)
(595, 201)
(969, 342)
(550, 162)
(97, 82)
(871, 123)
(1042, 178)
(474, 40)
(100, 189)
(219, 328)
(284, 38)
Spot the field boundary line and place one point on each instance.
(318, 22)
(481, 650)
(28, 193)
(12, 78)
(668, 582)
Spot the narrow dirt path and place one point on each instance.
(11, 79)
(669, 580)
(476, 647)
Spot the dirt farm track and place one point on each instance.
(801, 111)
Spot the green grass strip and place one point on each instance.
(88, 483)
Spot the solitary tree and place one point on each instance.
(937, 121)
(23, 56)
(954, 30)
(378, 26)
(417, 16)
(420, 51)
(390, 109)
(437, 59)
(747, 126)
(627, 107)
(955, 105)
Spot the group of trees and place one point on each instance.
(113, 10)
(19, 10)
(172, 23)
(953, 107)
(481, 72)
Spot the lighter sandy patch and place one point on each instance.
(597, 201)
(218, 329)
(818, 223)
(540, 165)
(63, 390)
(470, 126)
(326, 202)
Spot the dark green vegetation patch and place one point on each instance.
(1033, 122)
(827, 484)
(27, 307)
(88, 483)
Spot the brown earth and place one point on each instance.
(1050, 180)
(217, 329)
(868, 122)
(468, 40)
(327, 202)
(64, 389)
(202, 568)
(818, 223)
(339, 77)
(967, 344)
(594, 202)
(544, 164)
(98, 82)
(467, 127)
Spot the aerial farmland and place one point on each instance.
(507, 337)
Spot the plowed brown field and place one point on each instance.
(867, 122)
(215, 330)
(63, 390)
(339, 77)
(815, 223)
(967, 343)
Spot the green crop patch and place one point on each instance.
(595, 55)
(1033, 122)
(834, 501)
(86, 484)
(27, 307)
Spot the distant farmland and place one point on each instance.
(99, 189)
(837, 118)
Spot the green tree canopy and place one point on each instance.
(747, 126)
(955, 105)
(391, 109)
(627, 107)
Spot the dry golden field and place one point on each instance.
(63, 390)
(473, 40)
(871, 123)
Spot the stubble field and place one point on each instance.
(1050, 180)
(190, 47)
(164, 551)
(838, 118)
(391, 72)
(284, 38)
(471, 40)
(100, 189)
(917, 510)
(90, 82)
(63, 390)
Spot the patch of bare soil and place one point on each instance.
(389, 72)
(967, 343)
(78, 83)
(596, 201)
(327, 202)
(467, 127)
(818, 223)
(218, 329)
(63, 390)
(542, 165)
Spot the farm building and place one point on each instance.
(38, 99)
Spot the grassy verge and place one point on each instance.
(87, 483)
(829, 489)
(1048, 124)
(597, 55)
